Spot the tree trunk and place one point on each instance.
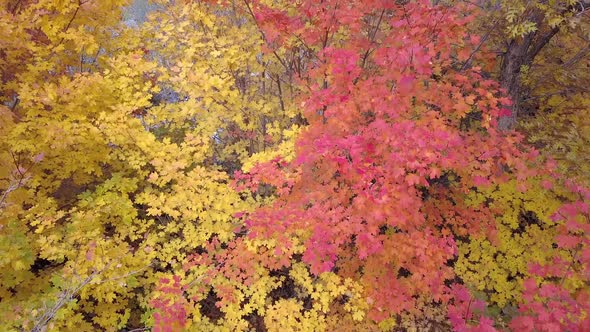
(521, 52)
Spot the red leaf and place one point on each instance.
(505, 112)
(413, 179)
(567, 241)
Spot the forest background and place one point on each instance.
(265, 165)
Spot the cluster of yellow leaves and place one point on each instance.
(233, 96)
(498, 266)
(565, 133)
(247, 289)
(558, 85)
(285, 150)
(514, 17)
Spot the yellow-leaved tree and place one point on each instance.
(117, 143)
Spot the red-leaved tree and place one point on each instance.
(399, 132)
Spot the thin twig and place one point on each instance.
(482, 41)
(263, 35)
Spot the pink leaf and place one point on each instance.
(546, 184)
(480, 181)
(412, 179)
(567, 241)
(405, 84)
(504, 112)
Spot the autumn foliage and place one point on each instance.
(286, 166)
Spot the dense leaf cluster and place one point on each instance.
(294, 166)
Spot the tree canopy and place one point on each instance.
(334, 165)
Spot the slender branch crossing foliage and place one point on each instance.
(254, 165)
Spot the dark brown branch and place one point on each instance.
(372, 39)
(579, 56)
(15, 7)
(539, 44)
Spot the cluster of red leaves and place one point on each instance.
(273, 173)
(388, 128)
(551, 308)
(170, 306)
(464, 308)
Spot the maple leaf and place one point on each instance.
(567, 241)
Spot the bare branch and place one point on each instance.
(64, 298)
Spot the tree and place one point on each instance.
(520, 33)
